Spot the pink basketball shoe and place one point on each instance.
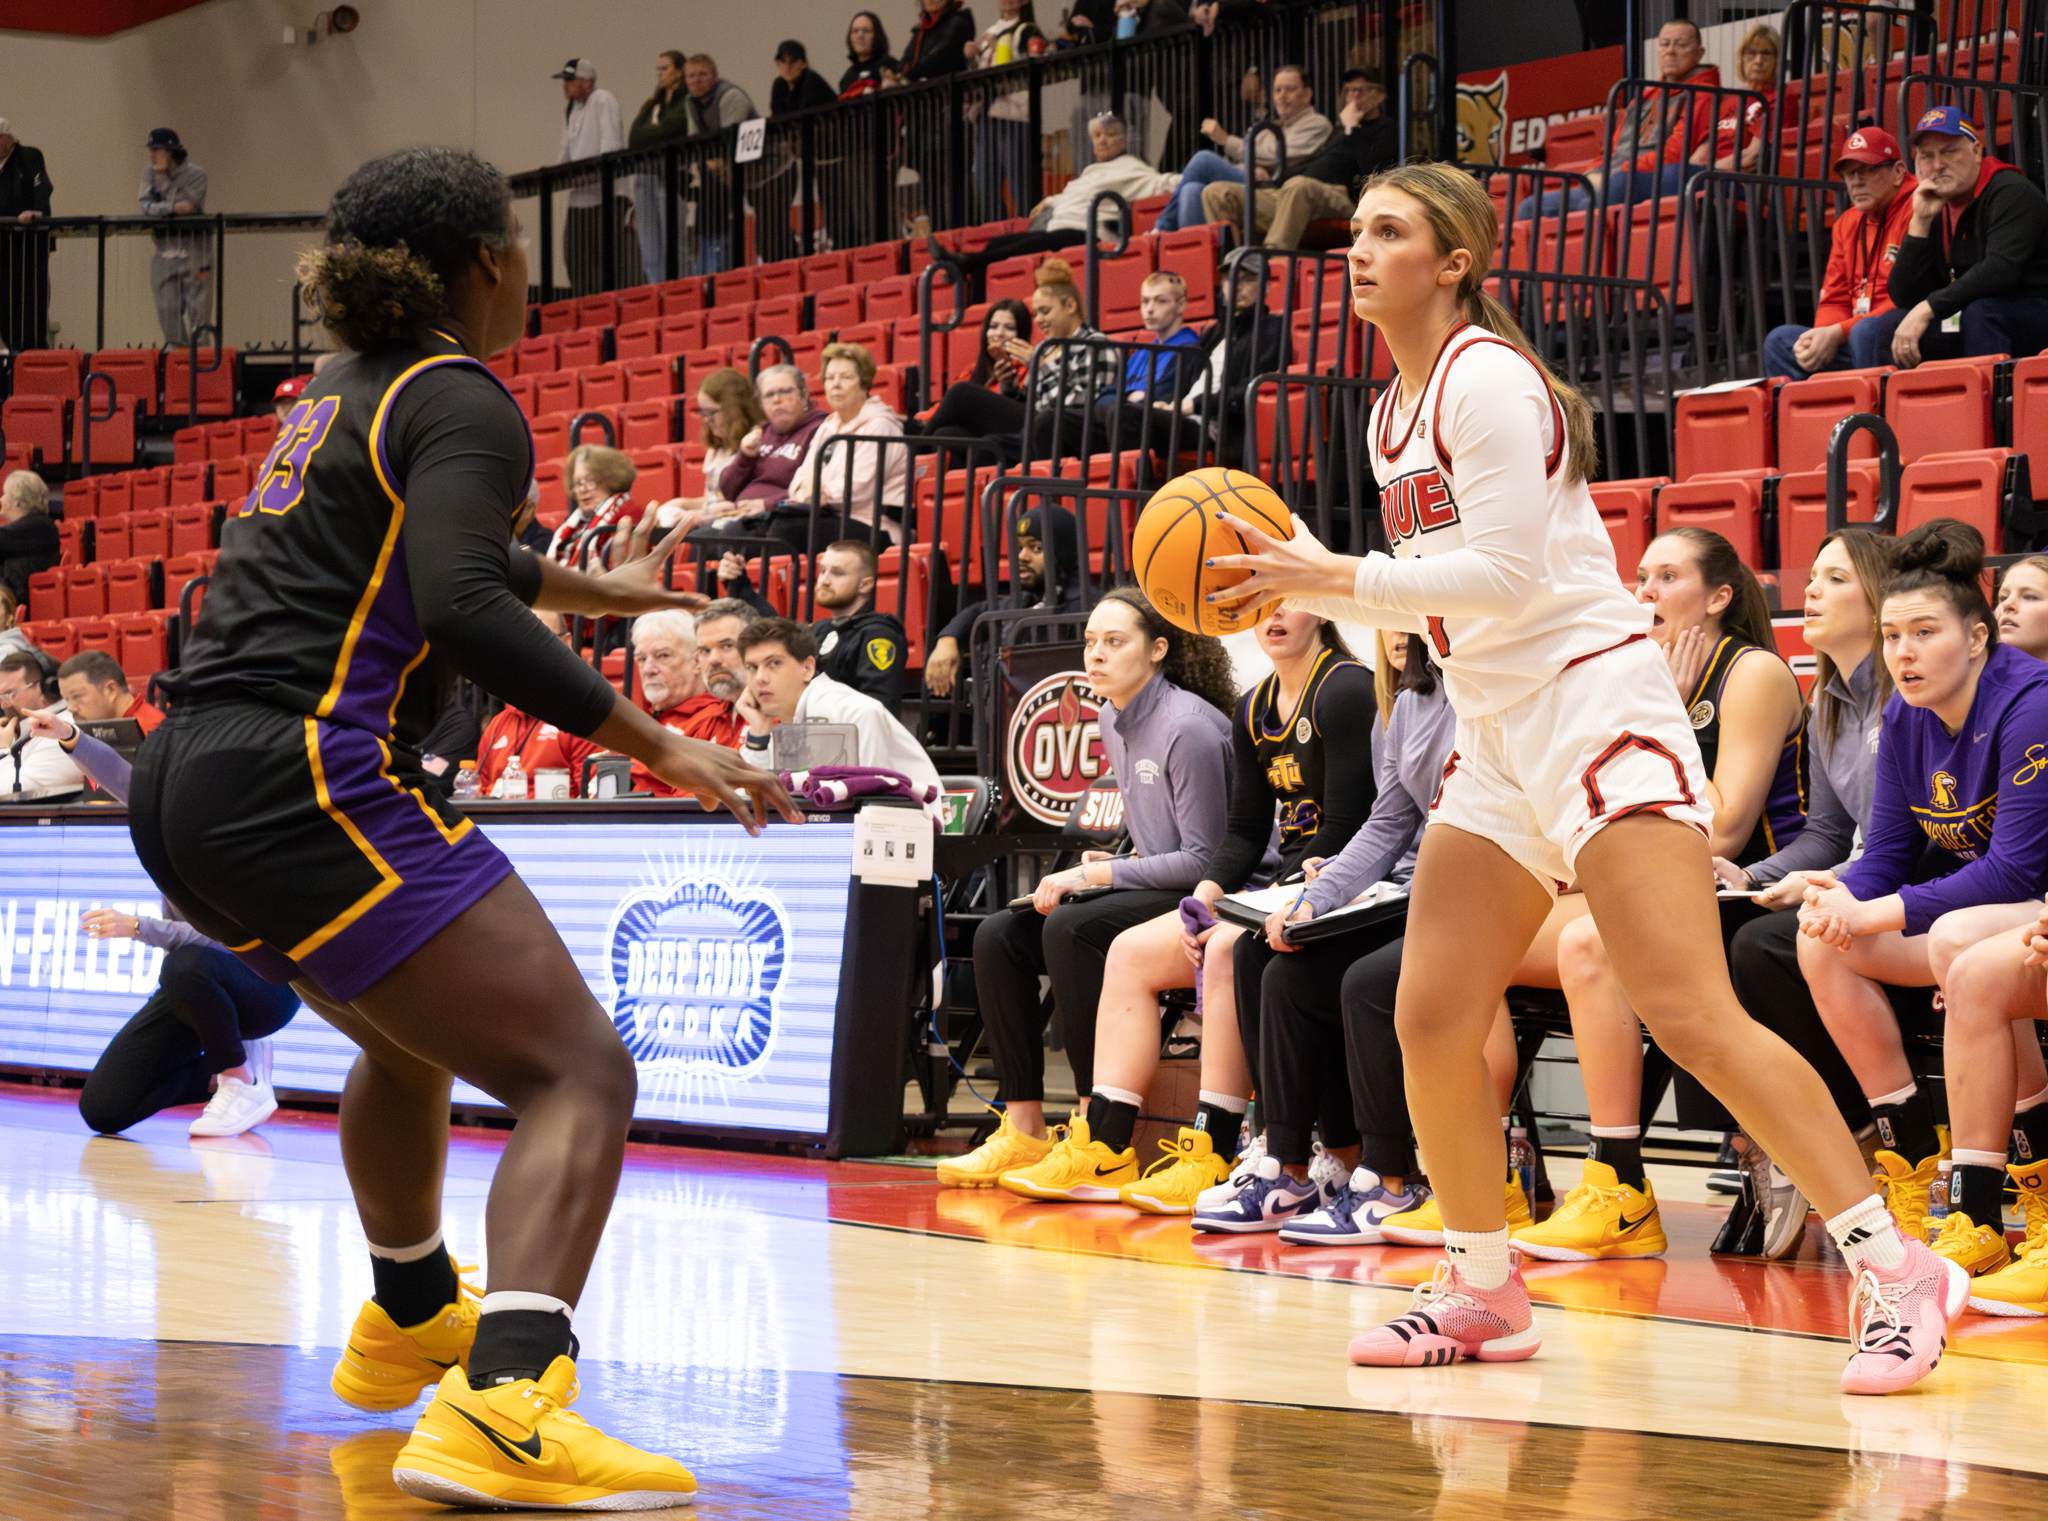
(1900, 1319)
(1449, 1319)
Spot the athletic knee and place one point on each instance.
(1582, 963)
(185, 967)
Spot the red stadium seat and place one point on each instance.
(877, 261)
(1118, 286)
(144, 645)
(259, 433)
(732, 287)
(54, 637)
(1191, 253)
(112, 428)
(647, 424)
(1941, 406)
(131, 586)
(683, 334)
(97, 634)
(827, 271)
(1970, 485)
(554, 495)
(49, 372)
(729, 325)
(1730, 503)
(150, 490)
(1145, 212)
(115, 496)
(524, 390)
(504, 365)
(233, 480)
(1012, 278)
(601, 310)
(557, 317)
(110, 537)
(149, 534)
(1628, 513)
(137, 373)
(224, 440)
(916, 594)
(42, 421)
(695, 366)
(188, 445)
(82, 497)
(536, 356)
(46, 594)
(685, 295)
(805, 351)
(649, 379)
(216, 382)
(192, 529)
(779, 316)
(179, 570)
(71, 542)
(189, 484)
(582, 348)
(1809, 409)
(551, 435)
(1725, 430)
(656, 478)
(1803, 518)
(20, 457)
(557, 391)
(890, 299)
(637, 340)
(640, 304)
(773, 280)
(602, 385)
(592, 432)
(878, 338)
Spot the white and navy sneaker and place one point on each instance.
(1268, 1201)
(1249, 1156)
(1353, 1215)
(236, 1106)
(1326, 1172)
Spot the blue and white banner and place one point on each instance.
(716, 955)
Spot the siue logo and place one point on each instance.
(1417, 503)
(695, 967)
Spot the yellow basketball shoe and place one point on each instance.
(1980, 1249)
(384, 1366)
(1171, 1184)
(1006, 1151)
(1904, 1189)
(520, 1446)
(1076, 1169)
(1603, 1217)
(1424, 1224)
(2031, 1179)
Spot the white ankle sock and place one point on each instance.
(407, 1253)
(1963, 1158)
(1481, 1257)
(2031, 1103)
(514, 1299)
(1121, 1096)
(1900, 1097)
(1215, 1100)
(1616, 1132)
(1867, 1234)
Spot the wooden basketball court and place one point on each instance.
(828, 1340)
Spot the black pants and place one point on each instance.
(1011, 245)
(1307, 1078)
(1763, 960)
(1070, 945)
(206, 1004)
(1372, 1055)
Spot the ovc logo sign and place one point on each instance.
(695, 968)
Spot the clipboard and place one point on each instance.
(1078, 895)
(1377, 904)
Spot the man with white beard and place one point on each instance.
(691, 677)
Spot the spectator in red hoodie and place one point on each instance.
(1867, 239)
(539, 746)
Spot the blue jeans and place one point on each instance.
(650, 223)
(1622, 188)
(1778, 360)
(1185, 209)
(2016, 325)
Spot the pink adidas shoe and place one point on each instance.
(1448, 1319)
(1901, 1320)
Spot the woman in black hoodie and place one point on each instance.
(938, 45)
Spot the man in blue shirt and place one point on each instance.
(1155, 377)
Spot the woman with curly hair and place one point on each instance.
(1166, 699)
(284, 811)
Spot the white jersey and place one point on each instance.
(1499, 559)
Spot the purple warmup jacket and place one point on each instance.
(1979, 795)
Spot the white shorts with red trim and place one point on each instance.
(1606, 739)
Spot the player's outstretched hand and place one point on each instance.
(636, 585)
(1296, 567)
(719, 776)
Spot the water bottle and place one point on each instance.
(466, 784)
(512, 782)
(1937, 1198)
(1522, 1161)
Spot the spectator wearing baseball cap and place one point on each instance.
(1867, 241)
(181, 270)
(1972, 273)
(288, 391)
(591, 125)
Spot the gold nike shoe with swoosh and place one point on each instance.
(1603, 1217)
(1079, 1168)
(384, 1365)
(519, 1445)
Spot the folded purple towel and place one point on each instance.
(1196, 916)
(838, 786)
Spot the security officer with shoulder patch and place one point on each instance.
(858, 646)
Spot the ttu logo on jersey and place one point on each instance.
(1416, 504)
(695, 968)
(1055, 746)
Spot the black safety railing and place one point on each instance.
(1759, 250)
(1109, 407)
(1840, 62)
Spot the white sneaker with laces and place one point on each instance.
(1326, 1172)
(236, 1106)
(1241, 1172)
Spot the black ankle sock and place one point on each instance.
(516, 1344)
(1110, 1122)
(410, 1292)
(2030, 1134)
(1907, 1128)
(1623, 1153)
(1978, 1192)
(1222, 1126)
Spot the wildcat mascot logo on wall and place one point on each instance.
(695, 967)
(1482, 117)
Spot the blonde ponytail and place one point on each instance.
(1461, 215)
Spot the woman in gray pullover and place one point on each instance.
(1166, 699)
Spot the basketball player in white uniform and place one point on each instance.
(1574, 762)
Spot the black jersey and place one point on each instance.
(1312, 766)
(373, 560)
(1784, 810)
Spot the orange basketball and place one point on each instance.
(1178, 530)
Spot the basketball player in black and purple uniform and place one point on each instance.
(283, 807)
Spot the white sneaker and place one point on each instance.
(236, 1106)
(1326, 1172)
(1241, 1172)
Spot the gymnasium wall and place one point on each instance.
(278, 127)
